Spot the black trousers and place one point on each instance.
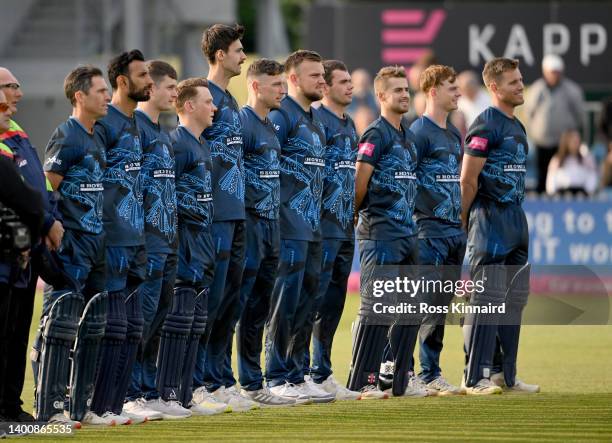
(16, 307)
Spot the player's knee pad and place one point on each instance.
(116, 321)
(403, 340)
(200, 317)
(368, 345)
(59, 329)
(135, 319)
(518, 290)
(85, 355)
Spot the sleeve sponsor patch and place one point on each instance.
(366, 149)
(479, 144)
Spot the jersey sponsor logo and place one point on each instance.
(479, 144)
(315, 161)
(91, 187)
(514, 168)
(447, 178)
(366, 149)
(405, 175)
(344, 164)
(234, 140)
(204, 197)
(163, 173)
(22, 163)
(132, 166)
(269, 174)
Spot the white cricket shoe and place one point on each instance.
(232, 397)
(201, 397)
(440, 386)
(93, 419)
(64, 419)
(483, 387)
(119, 419)
(519, 386)
(267, 399)
(170, 410)
(332, 386)
(138, 411)
(371, 392)
(316, 393)
(288, 390)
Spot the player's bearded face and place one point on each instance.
(309, 77)
(140, 82)
(510, 88)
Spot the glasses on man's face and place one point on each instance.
(4, 107)
(14, 86)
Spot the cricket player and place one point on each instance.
(159, 199)
(123, 218)
(223, 50)
(385, 192)
(338, 232)
(262, 199)
(492, 191)
(302, 164)
(74, 165)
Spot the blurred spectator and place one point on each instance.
(554, 104)
(474, 99)
(572, 169)
(606, 169)
(364, 107)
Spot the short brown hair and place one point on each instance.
(79, 79)
(298, 57)
(380, 81)
(435, 75)
(188, 89)
(264, 66)
(496, 67)
(330, 66)
(220, 37)
(159, 69)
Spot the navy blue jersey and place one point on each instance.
(123, 210)
(302, 165)
(261, 165)
(194, 194)
(159, 194)
(503, 142)
(225, 140)
(76, 155)
(438, 203)
(386, 211)
(339, 180)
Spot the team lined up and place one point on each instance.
(242, 220)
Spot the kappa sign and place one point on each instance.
(466, 35)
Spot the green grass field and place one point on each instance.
(573, 365)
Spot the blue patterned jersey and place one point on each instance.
(159, 194)
(438, 203)
(75, 154)
(194, 194)
(123, 210)
(261, 165)
(386, 211)
(302, 165)
(503, 141)
(339, 181)
(225, 140)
